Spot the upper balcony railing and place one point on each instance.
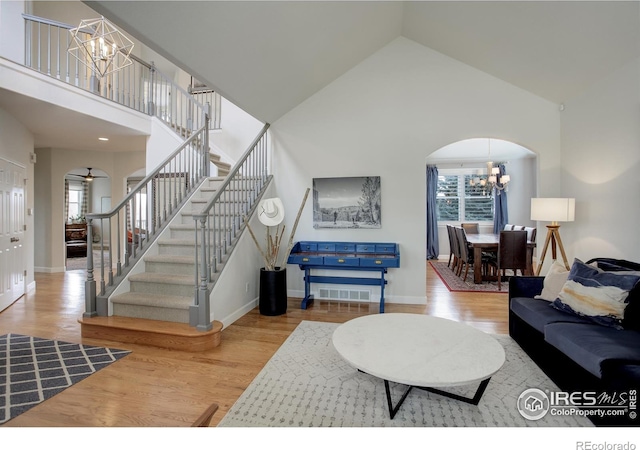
(140, 86)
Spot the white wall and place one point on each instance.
(601, 162)
(239, 129)
(384, 117)
(12, 30)
(162, 142)
(16, 144)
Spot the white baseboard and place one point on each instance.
(226, 321)
(49, 269)
(31, 286)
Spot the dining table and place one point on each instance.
(489, 242)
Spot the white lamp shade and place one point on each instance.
(553, 209)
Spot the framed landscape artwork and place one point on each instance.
(347, 202)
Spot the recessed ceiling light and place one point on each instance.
(103, 139)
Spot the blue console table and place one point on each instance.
(350, 256)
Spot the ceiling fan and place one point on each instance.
(89, 176)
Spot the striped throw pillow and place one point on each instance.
(596, 294)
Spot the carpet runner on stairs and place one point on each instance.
(165, 289)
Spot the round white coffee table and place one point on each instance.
(419, 351)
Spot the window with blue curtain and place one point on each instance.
(433, 248)
(501, 216)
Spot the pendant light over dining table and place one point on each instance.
(493, 178)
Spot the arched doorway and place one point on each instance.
(87, 190)
(461, 197)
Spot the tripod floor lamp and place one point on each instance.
(553, 210)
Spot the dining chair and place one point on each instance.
(466, 255)
(471, 228)
(456, 250)
(531, 233)
(512, 254)
(451, 239)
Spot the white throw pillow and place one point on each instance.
(553, 282)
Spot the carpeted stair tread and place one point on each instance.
(163, 278)
(185, 226)
(178, 242)
(222, 165)
(182, 226)
(172, 259)
(155, 300)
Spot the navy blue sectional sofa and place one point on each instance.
(576, 353)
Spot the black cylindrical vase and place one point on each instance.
(273, 292)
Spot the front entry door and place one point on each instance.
(12, 223)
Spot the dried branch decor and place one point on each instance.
(270, 255)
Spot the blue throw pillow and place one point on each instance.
(596, 294)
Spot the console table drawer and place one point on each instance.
(305, 259)
(338, 261)
(345, 248)
(308, 247)
(366, 248)
(322, 247)
(378, 262)
(383, 248)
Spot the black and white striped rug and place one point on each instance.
(33, 369)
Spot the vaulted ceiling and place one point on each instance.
(268, 56)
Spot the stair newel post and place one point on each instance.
(199, 314)
(90, 283)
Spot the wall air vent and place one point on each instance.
(344, 294)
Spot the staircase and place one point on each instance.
(155, 310)
(223, 167)
(165, 290)
(168, 303)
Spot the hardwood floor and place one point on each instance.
(168, 388)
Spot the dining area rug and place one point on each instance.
(34, 369)
(455, 283)
(307, 384)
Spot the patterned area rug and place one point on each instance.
(81, 263)
(455, 284)
(307, 384)
(33, 370)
